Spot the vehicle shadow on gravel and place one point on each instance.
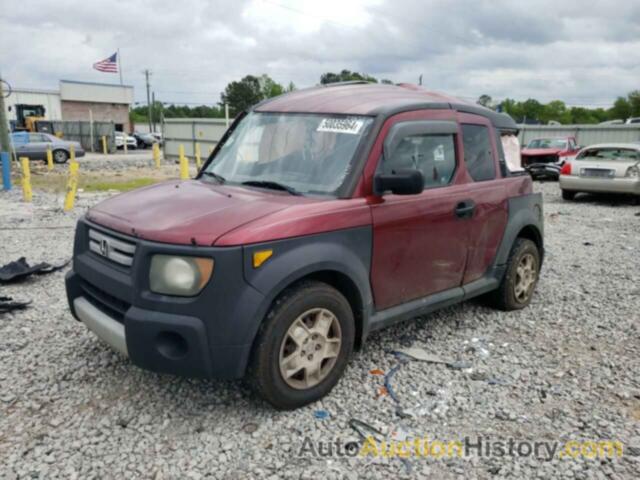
(607, 199)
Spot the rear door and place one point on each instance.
(37, 146)
(486, 191)
(420, 241)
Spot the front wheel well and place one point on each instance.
(532, 233)
(346, 286)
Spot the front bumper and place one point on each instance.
(600, 185)
(207, 336)
(544, 170)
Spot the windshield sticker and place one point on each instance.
(438, 153)
(351, 126)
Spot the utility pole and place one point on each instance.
(420, 80)
(147, 73)
(153, 110)
(5, 144)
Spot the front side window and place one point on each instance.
(304, 152)
(433, 155)
(478, 154)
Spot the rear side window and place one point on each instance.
(433, 155)
(478, 155)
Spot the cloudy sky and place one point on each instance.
(585, 53)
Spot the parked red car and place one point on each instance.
(544, 157)
(321, 216)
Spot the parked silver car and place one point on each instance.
(607, 168)
(35, 146)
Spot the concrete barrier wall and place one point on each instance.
(585, 134)
(189, 131)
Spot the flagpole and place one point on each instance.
(120, 65)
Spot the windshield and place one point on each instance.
(548, 143)
(609, 154)
(304, 153)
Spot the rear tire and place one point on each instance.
(293, 362)
(60, 156)
(520, 279)
(568, 195)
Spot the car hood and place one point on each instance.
(534, 152)
(189, 212)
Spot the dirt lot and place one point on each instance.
(564, 369)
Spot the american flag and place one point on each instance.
(109, 65)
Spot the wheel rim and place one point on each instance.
(310, 348)
(60, 156)
(526, 276)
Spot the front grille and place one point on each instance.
(105, 302)
(109, 247)
(530, 160)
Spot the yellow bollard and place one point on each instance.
(198, 161)
(184, 164)
(26, 179)
(104, 145)
(72, 186)
(72, 153)
(49, 159)
(156, 154)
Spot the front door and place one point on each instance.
(420, 241)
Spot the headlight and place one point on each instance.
(633, 172)
(181, 276)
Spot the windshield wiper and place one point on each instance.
(219, 178)
(271, 184)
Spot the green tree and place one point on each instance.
(269, 87)
(243, 94)
(555, 111)
(345, 76)
(621, 109)
(634, 102)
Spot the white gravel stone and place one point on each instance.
(565, 368)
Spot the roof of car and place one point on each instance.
(632, 146)
(361, 98)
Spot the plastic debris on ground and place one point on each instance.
(19, 270)
(321, 414)
(8, 305)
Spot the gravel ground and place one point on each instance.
(566, 368)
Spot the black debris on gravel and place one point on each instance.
(20, 270)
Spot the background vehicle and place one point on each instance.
(304, 232)
(35, 146)
(158, 137)
(144, 140)
(31, 118)
(607, 167)
(632, 120)
(543, 157)
(119, 138)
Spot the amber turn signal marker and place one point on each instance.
(260, 257)
(205, 266)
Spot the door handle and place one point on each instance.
(465, 209)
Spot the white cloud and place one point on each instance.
(581, 53)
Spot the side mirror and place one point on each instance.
(404, 182)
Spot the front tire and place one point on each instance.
(520, 279)
(303, 346)
(568, 195)
(60, 156)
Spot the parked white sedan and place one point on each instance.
(607, 168)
